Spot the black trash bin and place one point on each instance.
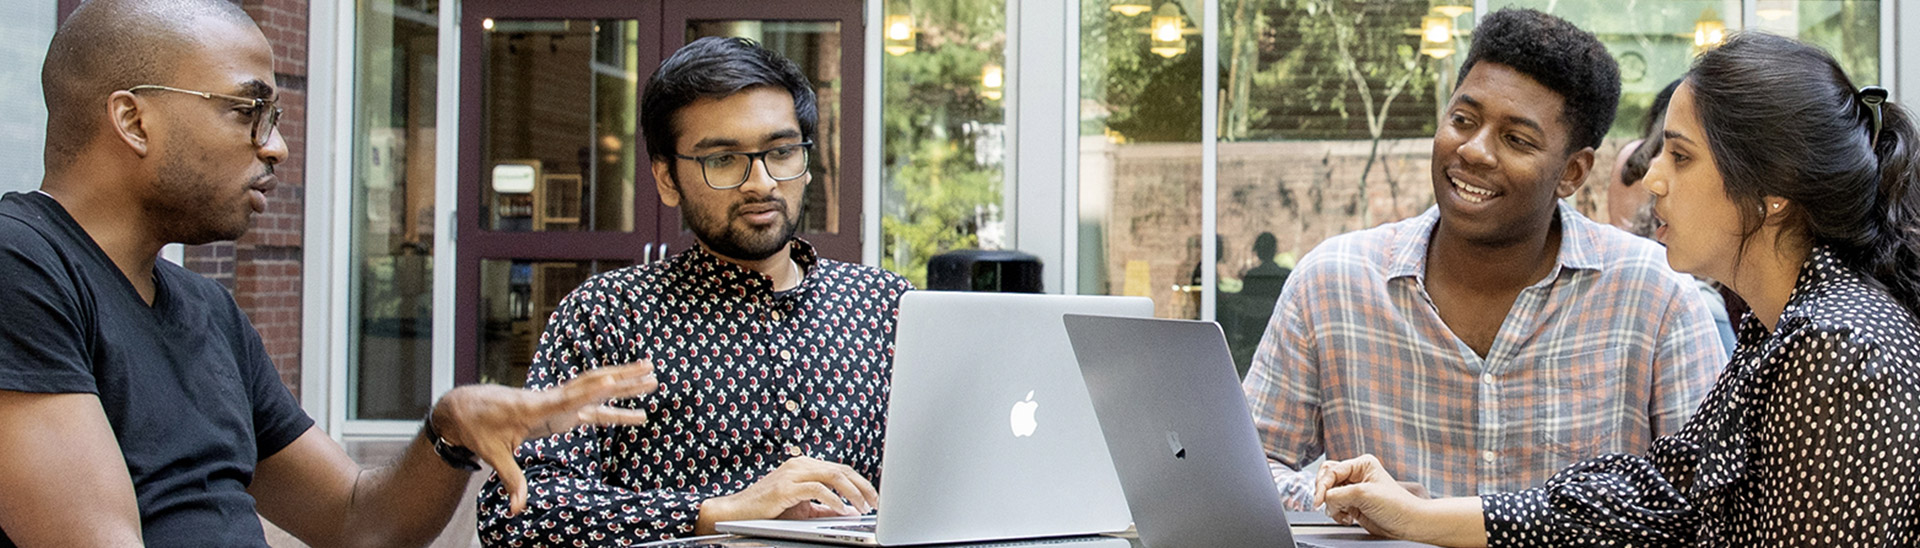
(1001, 271)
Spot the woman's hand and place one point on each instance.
(1360, 491)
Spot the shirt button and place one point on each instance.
(1486, 378)
(786, 355)
(1488, 456)
(793, 451)
(793, 406)
(777, 316)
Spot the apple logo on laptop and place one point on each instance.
(1173, 442)
(1022, 417)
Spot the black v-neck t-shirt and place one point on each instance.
(185, 383)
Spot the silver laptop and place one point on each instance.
(1182, 438)
(990, 434)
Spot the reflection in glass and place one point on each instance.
(517, 298)
(390, 328)
(1140, 154)
(1848, 29)
(815, 47)
(1328, 117)
(943, 119)
(560, 123)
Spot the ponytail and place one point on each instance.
(1894, 256)
(1782, 119)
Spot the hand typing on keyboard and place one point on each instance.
(801, 488)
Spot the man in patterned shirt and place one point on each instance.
(1501, 335)
(773, 362)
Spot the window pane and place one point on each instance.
(943, 161)
(517, 297)
(1140, 153)
(560, 98)
(391, 329)
(1653, 42)
(1328, 115)
(28, 27)
(1848, 29)
(815, 47)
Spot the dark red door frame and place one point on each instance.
(476, 244)
(666, 20)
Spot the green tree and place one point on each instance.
(1340, 64)
(943, 178)
(1149, 98)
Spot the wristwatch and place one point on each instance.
(456, 456)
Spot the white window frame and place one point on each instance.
(328, 255)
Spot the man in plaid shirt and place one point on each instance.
(1501, 335)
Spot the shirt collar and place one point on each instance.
(707, 266)
(1822, 270)
(1578, 250)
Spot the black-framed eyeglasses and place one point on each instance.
(263, 112)
(727, 170)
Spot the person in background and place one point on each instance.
(1244, 315)
(1501, 335)
(1631, 206)
(1783, 180)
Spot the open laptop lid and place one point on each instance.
(1180, 433)
(990, 433)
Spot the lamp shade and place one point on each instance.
(1169, 31)
(899, 34)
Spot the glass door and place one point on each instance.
(553, 184)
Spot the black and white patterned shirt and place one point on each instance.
(749, 377)
(1810, 438)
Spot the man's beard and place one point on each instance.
(724, 239)
(187, 211)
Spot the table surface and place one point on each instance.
(1311, 532)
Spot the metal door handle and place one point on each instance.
(646, 254)
(663, 251)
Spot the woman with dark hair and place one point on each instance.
(1782, 180)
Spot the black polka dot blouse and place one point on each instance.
(749, 377)
(1811, 437)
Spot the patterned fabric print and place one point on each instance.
(1810, 438)
(748, 379)
(1608, 352)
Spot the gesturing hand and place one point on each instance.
(801, 488)
(492, 420)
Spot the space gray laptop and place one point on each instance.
(990, 434)
(1182, 438)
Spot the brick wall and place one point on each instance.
(263, 268)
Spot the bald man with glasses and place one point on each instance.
(137, 404)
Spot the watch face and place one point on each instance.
(1633, 67)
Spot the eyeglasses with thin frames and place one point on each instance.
(263, 112)
(729, 170)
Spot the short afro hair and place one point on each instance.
(1558, 55)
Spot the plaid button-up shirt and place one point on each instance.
(1609, 351)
